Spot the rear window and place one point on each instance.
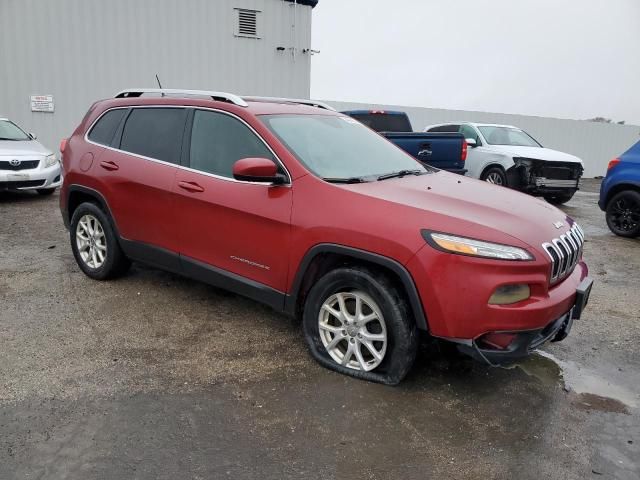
(155, 133)
(445, 129)
(384, 122)
(105, 128)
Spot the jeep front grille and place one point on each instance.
(565, 252)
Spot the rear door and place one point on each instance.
(138, 174)
(231, 231)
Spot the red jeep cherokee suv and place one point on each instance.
(292, 204)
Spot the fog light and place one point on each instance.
(507, 294)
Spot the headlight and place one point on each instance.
(50, 160)
(476, 248)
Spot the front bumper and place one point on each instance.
(525, 342)
(31, 179)
(539, 177)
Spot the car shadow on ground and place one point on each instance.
(11, 196)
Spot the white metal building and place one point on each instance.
(70, 53)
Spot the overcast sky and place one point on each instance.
(560, 58)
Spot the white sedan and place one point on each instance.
(24, 163)
(506, 155)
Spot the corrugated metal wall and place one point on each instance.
(594, 143)
(80, 51)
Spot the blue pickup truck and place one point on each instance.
(447, 151)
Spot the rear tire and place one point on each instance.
(559, 199)
(95, 245)
(623, 214)
(45, 191)
(495, 175)
(378, 342)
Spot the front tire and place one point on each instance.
(95, 245)
(495, 175)
(623, 214)
(559, 198)
(357, 322)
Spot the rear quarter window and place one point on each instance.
(155, 133)
(106, 126)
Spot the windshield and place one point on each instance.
(508, 136)
(339, 147)
(10, 131)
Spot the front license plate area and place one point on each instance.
(18, 177)
(582, 297)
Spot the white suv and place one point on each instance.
(506, 155)
(24, 163)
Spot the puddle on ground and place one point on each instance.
(594, 392)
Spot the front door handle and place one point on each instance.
(109, 165)
(190, 186)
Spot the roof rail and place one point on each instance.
(311, 103)
(220, 96)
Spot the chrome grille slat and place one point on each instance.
(565, 252)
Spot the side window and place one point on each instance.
(219, 140)
(445, 129)
(155, 133)
(105, 128)
(469, 132)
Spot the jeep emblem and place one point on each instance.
(14, 162)
(558, 224)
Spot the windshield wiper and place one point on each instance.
(10, 139)
(345, 180)
(401, 173)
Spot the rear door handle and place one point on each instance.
(109, 165)
(190, 186)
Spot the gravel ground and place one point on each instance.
(155, 376)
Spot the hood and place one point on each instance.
(30, 148)
(463, 206)
(536, 153)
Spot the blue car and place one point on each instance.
(620, 193)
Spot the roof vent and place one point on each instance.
(247, 25)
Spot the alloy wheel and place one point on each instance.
(353, 330)
(625, 214)
(495, 178)
(91, 241)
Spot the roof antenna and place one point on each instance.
(159, 84)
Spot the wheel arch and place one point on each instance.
(620, 187)
(322, 258)
(492, 165)
(78, 194)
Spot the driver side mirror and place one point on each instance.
(254, 169)
(471, 142)
(33, 136)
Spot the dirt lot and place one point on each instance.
(158, 377)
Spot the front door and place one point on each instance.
(231, 230)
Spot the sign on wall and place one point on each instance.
(42, 103)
